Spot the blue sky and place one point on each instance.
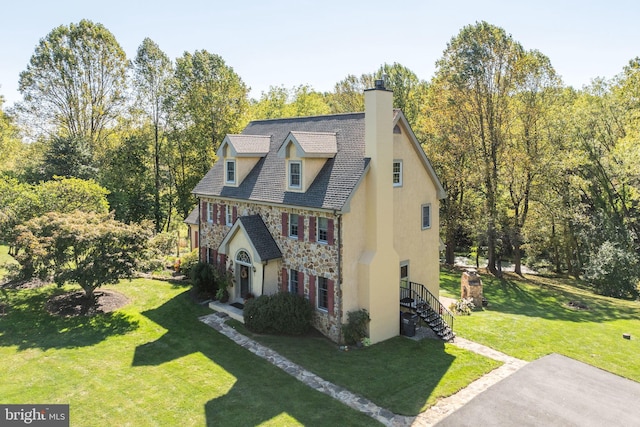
(272, 43)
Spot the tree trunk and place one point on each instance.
(450, 245)
(157, 214)
(517, 259)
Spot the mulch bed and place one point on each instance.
(76, 303)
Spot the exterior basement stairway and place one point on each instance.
(419, 300)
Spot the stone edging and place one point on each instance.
(431, 416)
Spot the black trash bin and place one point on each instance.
(409, 322)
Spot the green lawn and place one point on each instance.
(529, 318)
(150, 363)
(399, 374)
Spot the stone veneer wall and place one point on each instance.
(311, 258)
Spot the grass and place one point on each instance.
(399, 374)
(150, 363)
(529, 318)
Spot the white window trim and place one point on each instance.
(226, 171)
(291, 224)
(323, 309)
(404, 264)
(398, 184)
(210, 212)
(293, 273)
(427, 205)
(292, 162)
(228, 215)
(318, 239)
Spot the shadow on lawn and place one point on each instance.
(536, 299)
(27, 324)
(261, 391)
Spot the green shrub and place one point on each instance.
(613, 271)
(355, 330)
(203, 278)
(189, 261)
(283, 313)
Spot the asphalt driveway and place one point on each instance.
(554, 391)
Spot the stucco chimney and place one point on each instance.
(379, 265)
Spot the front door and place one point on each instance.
(244, 280)
(244, 271)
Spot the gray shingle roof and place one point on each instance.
(260, 236)
(193, 217)
(266, 182)
(249, 145)
(323, 143)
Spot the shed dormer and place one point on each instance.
(305, 154)
(240, 153)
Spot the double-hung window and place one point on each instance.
(323, 293)
(397, 173)
(295, 174)
(426, 216)
(294, 283)
(323, 230)
(210, 212)
(230, 176)
(293, 225)
(229, 215)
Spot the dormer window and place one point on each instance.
(295, 174)
(230, 171)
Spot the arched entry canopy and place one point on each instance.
(254, 254)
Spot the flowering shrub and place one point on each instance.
(463, 306)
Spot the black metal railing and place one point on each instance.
(419, 294)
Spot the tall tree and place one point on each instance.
(478, 68)
(210, 101)
(10, 145)
(448, 147)
(129, 176)
(529, 148)
(406, 87)
(75, 81)
(348, 93)
(68, 157)
(152, 75)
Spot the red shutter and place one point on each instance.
(312, 228)
(330, 296)
(285, 280)
(222, 260)
(214, 257)
(312, 291)
(221, 215)
(300, 228)
(300, 283)
(330, 232)
(214, 216)
(203, 254)
(235, 214)
(285, 224)
(195, 243)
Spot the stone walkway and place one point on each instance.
(428, 418)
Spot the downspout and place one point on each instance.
(264, 265)
(200, 230)
(339, 246)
